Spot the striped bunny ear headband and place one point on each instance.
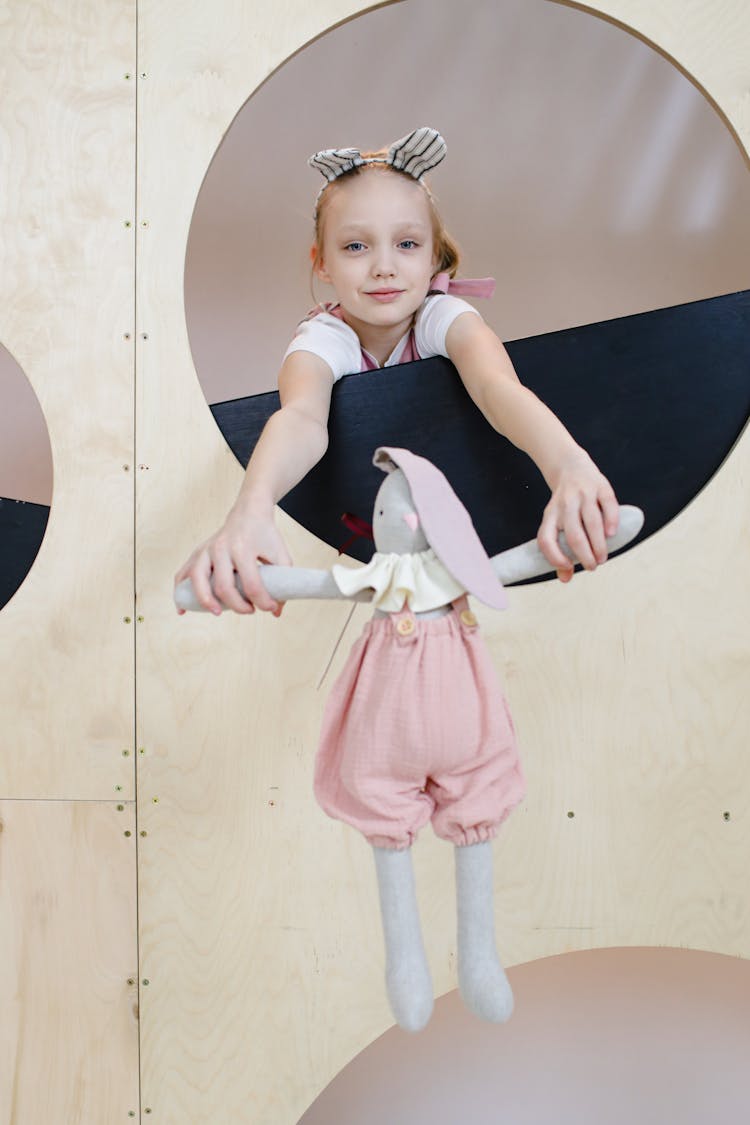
(414, 154)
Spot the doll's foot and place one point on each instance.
(407, 974)
(481, 978)
(484, 987)
(409, 988)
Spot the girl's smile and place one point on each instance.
(384, 295)
(377, 253)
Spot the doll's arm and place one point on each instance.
(527, 561)
(283, 583)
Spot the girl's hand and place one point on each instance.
(584, 506)
(238, 546)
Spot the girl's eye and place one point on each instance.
(355, 246)
(407, 244)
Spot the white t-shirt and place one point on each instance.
(338, 344)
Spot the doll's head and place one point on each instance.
(415, 487)
(395, 521)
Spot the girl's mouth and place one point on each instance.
(385, 295)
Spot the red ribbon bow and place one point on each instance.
(360, 527)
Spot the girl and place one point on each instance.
(381, 245)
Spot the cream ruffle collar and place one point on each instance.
(421, 580)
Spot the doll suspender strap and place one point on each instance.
(405, 625)
(468, 621)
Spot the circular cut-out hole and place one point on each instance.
(25, 476)
(584, 171)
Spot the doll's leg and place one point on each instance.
(407, 975)
(481, 979)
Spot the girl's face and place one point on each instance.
(377, 250)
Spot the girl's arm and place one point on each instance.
(293, 440)
(583, 503)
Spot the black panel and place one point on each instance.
(657, 399)
(22, 528)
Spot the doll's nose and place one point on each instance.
(411, 519)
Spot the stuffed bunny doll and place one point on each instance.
(416, 727)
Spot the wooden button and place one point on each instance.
(405, 626)
(468, 618)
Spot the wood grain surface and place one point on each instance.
(68, 963)
(257, 924)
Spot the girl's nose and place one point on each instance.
(383, 265)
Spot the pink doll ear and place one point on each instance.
(412, 520)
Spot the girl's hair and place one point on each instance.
(447, 254)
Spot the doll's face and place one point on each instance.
(395, 522)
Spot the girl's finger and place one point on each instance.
(253, 587)
(548, 542)
(578, 539)
(200, 576)
(593, 523)
(610, 511)
(225, 587)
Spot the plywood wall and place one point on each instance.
(256, 923)
(68, 935)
